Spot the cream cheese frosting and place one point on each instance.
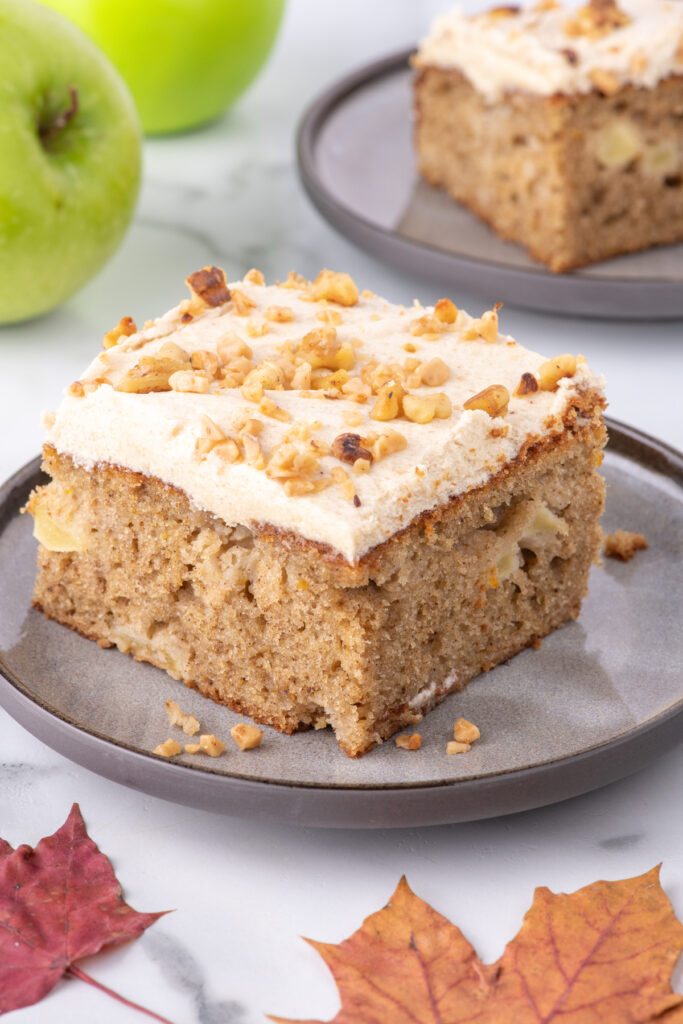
(546, 48)
(161, 433)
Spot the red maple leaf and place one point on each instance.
(58, 903)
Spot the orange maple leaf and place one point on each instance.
(601, 955)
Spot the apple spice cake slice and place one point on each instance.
(559, 127)
(316, 507)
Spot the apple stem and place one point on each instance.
(76, 972)
(51, 128)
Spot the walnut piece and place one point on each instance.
(553, 370)
(208, 287)
(151, 373)
(424, 408)
(454, 747)
(188, 723)
(168, 749)
(247, 737)
(406, 742)
(349, 448)
(527, 385)
(211, 745)
(335, 287)
(492, 400)
(124, 329)
(464, 731)
(623, 544)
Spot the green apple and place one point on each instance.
(184, 60)
(70, 159)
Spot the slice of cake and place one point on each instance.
(316, 507)
(560, 127)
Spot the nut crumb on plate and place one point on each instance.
(246, 736)
(409, 742)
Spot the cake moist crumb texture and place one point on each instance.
(421, 546)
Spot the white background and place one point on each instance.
(244, 892)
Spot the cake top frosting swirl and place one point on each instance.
(547, 47)
(334, 415)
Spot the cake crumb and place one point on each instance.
(406, 742)
(246, 736)
(623, 544)
(465, 732)
(455, 747)
(168, 749)
(188, 723)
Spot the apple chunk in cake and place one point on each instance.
(316, 507)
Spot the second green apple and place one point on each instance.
(185, 61)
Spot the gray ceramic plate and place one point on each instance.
(357, 164)
(601, 698)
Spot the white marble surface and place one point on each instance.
(244, 892)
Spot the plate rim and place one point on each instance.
(345, 219)
(651, 737)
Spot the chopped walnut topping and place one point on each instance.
(124, 328)
(553, 370)
(409, 347)
(268, 407)
(201, 359)
(605, 81)
(432, 373)
(288, 461)
(252, 451)
(349, 448)
(212, 435)
(194, 382)
(428, 327)
(623, 544)
(485, 327)
(294, 281)
(234, 372)
(329, 316)
(254, 276)
(241, 303)
(188, 723)
(152, 373)
(357, 391)
(527, 385)
(596, 19)
(169, 350)
(279, 314)
(268, 375)
(386, 443)
(352, 417)
(168, 749)
(320, 347)
(362, 465)
(76, 390)
(389, 402)
(446, 311)
(230, 346)
(335, 287)
(454, 747)
(301, 381)
(492, 400)
(256, 329)
(465, 732)
(208, 287)
(424, 408)
(227, 450)
(340, 477)
(406, 742)
(247, 737)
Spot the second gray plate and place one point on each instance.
(357, 164)
(601, 698)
